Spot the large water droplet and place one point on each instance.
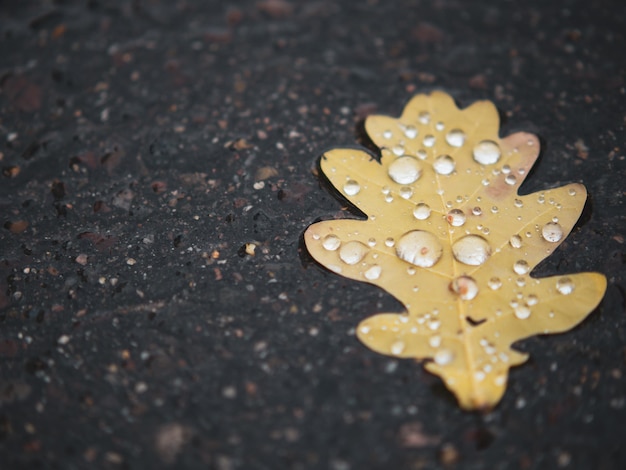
(516, 241)
(419, 248)
(421, 211)
(565, 286)
(352, 252)
(405, 170)
(522, 312)
(472, 250)
(351, 188)
(331, 242)
(487, 152)
(397, 348)
(552, 232)
(521, 267)
(455, 138)
(456, 217)
(444, 164)
(443, 357)
(465, 287)
(373, 273)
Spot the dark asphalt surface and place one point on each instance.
(143, 144)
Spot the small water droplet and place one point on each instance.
(444, 164)
(443, 357)
(434, 325)
(429, 140)
(406, 192)
(565, 286)
(455, 138)
(532, 300)
(352, 252)
(521, 267)
(456, 217)
(371, 242)
(465, 287)
(510, 179)
(424, 117)
(373, 273)
(420, 248)
(487, 152)
(518, 203)
(520, 281)
(571, 192)
(331, 242)
(506, 169)
(421, 154)
(365, 329)
(390, 242)
(388, 198)
(351, 188)
(411, 271)
(477, 211)
(494, 283)
(316, 236)
(494, 209)
(552, 232)
(387, 134)
(522, 312)
(405, 170)
(410, 132)
(516, 241)
(472, 250)
(440, 126)
(397, 348)
(398, 150)
(421, 211)
(541, 199)
(434, 341)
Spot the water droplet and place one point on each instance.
(397, 348)
(371, 242)
(494, 283)
(419, 248)
(440, 126)
(571, 192)
(455, 138)
(406, 192)
(518, 203)
(316, 236)
(444, 164)
(456, 217)
(365, 329)
(352, 252)
(521, 267)
(387, 134)
(487, 152)
(411, 271)
(421, 154)
(516, 241)
(541, 199)
(494, 209)
(434, 341)
(398, 150)
(477, 211)
(552, 232)
(424, 117)
(331, 242)
(388, 198)
(522, 312)
(520, 281)
(506, 169)
(532, 300)
(472, 250)
(429, 140)
(405, 170)
(390, 242)
(434, 324)
(443, 357)
(373, 273)
(565, 286)
(351, 188)
(410, 132)
(421, 211)
(510, 179)
(334, 268)
(465, 287)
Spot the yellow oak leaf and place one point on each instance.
(448, 235)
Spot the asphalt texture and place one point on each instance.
(159, 166)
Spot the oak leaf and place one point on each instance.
(448, 235)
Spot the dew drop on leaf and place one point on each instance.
(521, 267)
(420, 248)
(487, 152)
(516, 241)
(477, 211)
(465, 287)
(405, 170)
(331, 242)
(494, 283)
(456, 217)
(424, 117)
(443, 357)
(472, 250)
(390, 242)
(522, 312)
(406, 192)
(373, 272)
(510, 179)
(552, 232)
(565, 286)
(397, 348)
(352, 252)
(444, 164)
(351, 188)
(398, 150)
(410, 132)
(429, 140)
(421, 211)
(455, 138)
